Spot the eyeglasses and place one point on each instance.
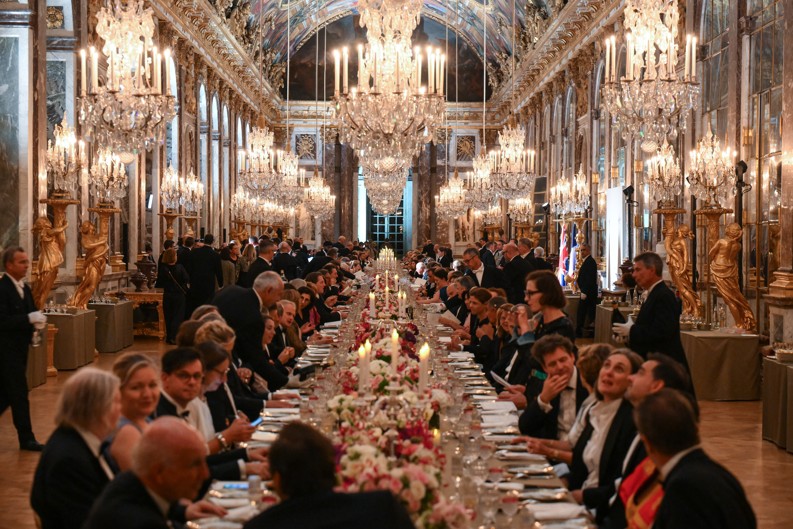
(184, 376)
(221, 372)
(531, 292)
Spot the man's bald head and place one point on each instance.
(510, 250)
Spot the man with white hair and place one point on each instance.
(284, 262)
(540, 263)
(168, 466)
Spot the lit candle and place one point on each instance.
(693, 58)
(386, 281)
(608, 60)
(371, 305)
(628, 57)
(613, 58)
(82, 72)
(167, 54)
(346, 55)
(687, 70)
(360, 65)
(430, 71)
(363, 371)
(368, 346)
(386, 296)
(394, 350)
(376, 281)
(336, 72)
(94, 70)
(424, 355)
(443, 74)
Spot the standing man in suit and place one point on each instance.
(263, 262)
(698, 492)
(487, 255)
(168, 466)
(284, 262)
(321, 258)
(183, 252)
(552, 413)
(19, 318)
(515, 272)
(657, 327)
(206, 274)
(485, 276)
(587, 282)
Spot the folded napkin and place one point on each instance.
(498, 420)
(264, 437)
(241, 514)
(510, 485)
(444, 339)
(332, 324)
(230, 503)
(519, 456)
(497, 406)
(557, 511)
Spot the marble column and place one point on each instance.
(780, 291)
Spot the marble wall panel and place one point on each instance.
(9, 141)
(56, 96)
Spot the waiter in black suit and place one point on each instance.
(205, 271)
(587, 282)
(698, 492)
(515, 272)
(168, 467)
(484, 275)
(263, 263)
(18, 320)
(284, 262)
(657, 327)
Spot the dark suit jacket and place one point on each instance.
(319, 260)
(446, 261)
(492, 277)
(515, 272)
(487, 257)
(618, 440)
(657, 327)
(536, 423)
(240, 308)
(701, 494)
(258, 266)
(286, 263)
(67, 482)
(587, 279)
(204, 269)
(335, 510)
(126, 504)
(613, 516)
(15, 329)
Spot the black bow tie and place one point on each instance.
(185, 414)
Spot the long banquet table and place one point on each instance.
(475, 434)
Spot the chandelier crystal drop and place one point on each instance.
(570, 197)
(651, 99)
(171, 189)
(257, 162)
(664, 176)
(512, 167)
(65, 159)
(712, 170)
(108, 176)
(521, 210)
(192, 194)
(317, 198)
(128, 110)
(452, 200)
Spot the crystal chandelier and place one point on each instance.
(257, 162)
(663, 173)
(291, 180)
(171, 189)
(317, 198)
(711, 171)
(108, 176)
(480, 187)
(492, 215)
(570, 197)
(127, 111)
(451, 200)
(271, 213)
(389, 112)
(385, 180)
(192, 194)
(650, 97)
(521, 210)
(242, 205)
(65, 159)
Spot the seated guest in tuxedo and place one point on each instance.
(480, 333)
(140, 393)
(484, 275)
(72, 472)
(284, 354)
(551, 414)
(242, 309)
(316, 281)
(456, 304)
(168, 467)
(289, 327)
(303, 466)
(640, 489)
(308, 316)
(698, 492)
(182, 376)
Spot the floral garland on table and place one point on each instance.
(378, 451)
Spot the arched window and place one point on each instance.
(225, 190)
(203, 149)
(172, 128)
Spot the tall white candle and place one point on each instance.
(386, 296)
(363, 371)
(346, 55)
(94, 70)
(424, 355)
(82, 72)
(693, 58)
(360, 66)
(336, 72)
(394, 350)
(608, 60)
(371, 305)
(443, 74)
(687, 70)
(613, 58)
(167, 55)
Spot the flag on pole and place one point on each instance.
(573, 253)
(562, 270)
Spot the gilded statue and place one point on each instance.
(774, 239)
(96, 254)
(724, 273)
(676, 244)
(51, 244)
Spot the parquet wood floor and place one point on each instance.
(731, 433)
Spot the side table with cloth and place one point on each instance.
(153, 295)
(723, 366)
(37, 363)
(573, 300)
(75, 342)
(113, 325)
(603, 323)
(778, 403)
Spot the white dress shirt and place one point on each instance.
(20, 286)
(601, 415)
(567, 413)
(479, 272)
(95, 445)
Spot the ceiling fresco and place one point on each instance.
(346, 30)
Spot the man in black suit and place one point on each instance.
(284, 262)
(657, 327)
(487, 253)
(19, 318)
(656, 373)
(587, 282)
(303, 467)
(321, 258)
(168, 466)
(206, 274)
(263, 263)
(515, 272)
(485, 276)
(698, 492)
(551, 414)
(540, 262)
(183, 252)
(242, 309)
(429, 249)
